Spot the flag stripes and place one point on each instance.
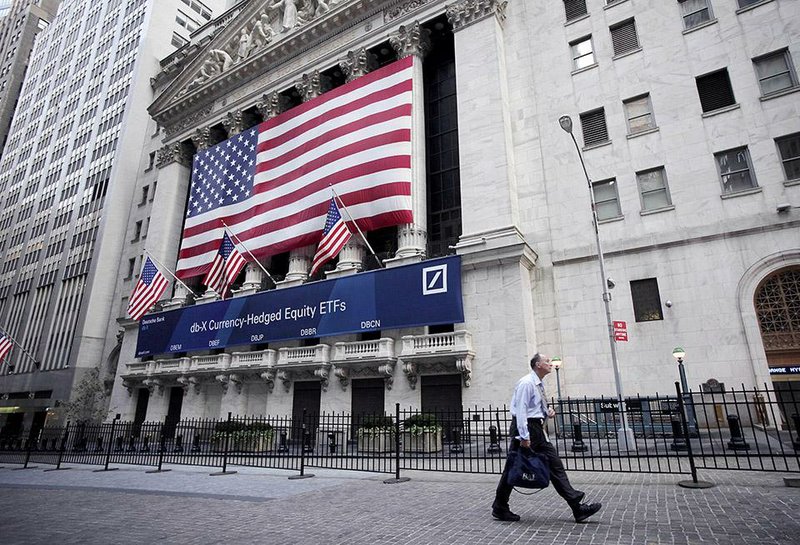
(148, 290)
(334, 236)
(225, 267)
(6, 344)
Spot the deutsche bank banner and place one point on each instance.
(426, 293)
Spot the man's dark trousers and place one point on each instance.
(540, 444)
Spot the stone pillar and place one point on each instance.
(412, 239)
(164, 237)
(484, 125)
(252, 280)
(309, 86)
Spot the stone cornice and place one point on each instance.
(467, 12)
(172, 153)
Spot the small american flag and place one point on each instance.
(334, 236)
(225, 268)
(6, 344)
(148, 290)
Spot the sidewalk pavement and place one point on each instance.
(187, 506)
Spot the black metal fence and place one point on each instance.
(753, 429)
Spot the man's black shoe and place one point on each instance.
(585, 510)
(505, 515)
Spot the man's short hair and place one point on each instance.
(535, 359)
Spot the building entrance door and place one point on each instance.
(306, 396)
(142, 401)
(174, 411)
(367, 401)
(441, 394)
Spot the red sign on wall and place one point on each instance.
(620, 331)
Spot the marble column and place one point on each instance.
(412, 238)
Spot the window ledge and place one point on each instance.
(141, 204)
(780, 93)
(609, 6)
(627, 53)
(657, 210)
(722, 110)
(611, 220)
(790, 183)
(595, 146)
(701, 25)
(584, 69)
(752, 6)
(742, 193)
(576, 19)
(642, 133)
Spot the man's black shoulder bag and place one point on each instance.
(528, 469)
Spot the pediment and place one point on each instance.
(263, 35)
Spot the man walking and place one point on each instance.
(529, 403)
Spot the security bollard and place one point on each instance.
(99, 446)
(132, 444)
(196, 443)
(678, 438)
(796, 442)
(307, 441)
(146, 443)
(118, 446)
(178, 444)
(494, 442)
(332, 443)
(456, 447)
(283, 444)
(737, 441)
(577, 439)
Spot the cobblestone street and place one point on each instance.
(187, 505)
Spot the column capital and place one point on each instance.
(411, 40)
(357, 63)
(233, 122)
(173, 153)
(467, 12)
(202, 138)
(311, 85)
(271, 105)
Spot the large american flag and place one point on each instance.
(335, 235)
(271, 184)
(6, 344)
(225, 268)
(148, 289)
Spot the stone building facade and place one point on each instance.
(687, 114)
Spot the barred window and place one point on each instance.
(695, 12)
(575, 9)
(775, 72)
(653, 189)
(735, 170)
(715, 90)
(646, 300)
(624, 37)
(639, 114)
(606, 199)
(594, 127)
(582, 53)
(789, 148)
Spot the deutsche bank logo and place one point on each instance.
(434, 280)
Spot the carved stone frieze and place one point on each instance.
(269, 378)
(398, 11)
(467, 12)
(312, 85)
(154, 385)
(237, 381)
(172, 153)
(233, 123)
(189, 383)
(411, 40)
(187, 122)
(343, 374)
(202, 138)
(412, 374)
(357, 63)
(224, 380)
(271, 105)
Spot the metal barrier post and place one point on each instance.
(678, 439)
(397, 477)
(494, 441)
(110, 441)
(796, 442)
(577, 439)
(694, 483)
(28, 448)
(225, 454)
(161, 448)
(61, 450)
(737, 441)
(303, 445)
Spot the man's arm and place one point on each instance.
(524, 396)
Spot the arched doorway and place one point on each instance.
(777, 304)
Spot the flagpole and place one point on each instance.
(178, 280)
(5, 333)
(246, 249)
(336, 195)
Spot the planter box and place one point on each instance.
(426, 442)
(256, 444)
(380, 442)
(218, 444)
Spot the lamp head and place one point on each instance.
(566, 123)
(679, 354)
(556, 362)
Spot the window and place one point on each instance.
(594, 127)
(695, 12)
(137, 231)
(624, 37)
(653, 189)
(735, 170)
(606, 199)
(575, 9)
(151, 160)
(639, 114)
(789, 148)
(646, 300)
(145, 190)
(715, 90)
(745, 3)
(582, 53)
(131, 268)
(775, 72)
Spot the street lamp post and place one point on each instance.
(679, 353)
(556, 361)
(625, 438)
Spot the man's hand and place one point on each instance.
(550, 412)
(525, 443)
